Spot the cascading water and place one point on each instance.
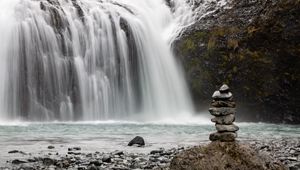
(85, 60)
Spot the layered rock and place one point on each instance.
(251, 45)
(223, 108)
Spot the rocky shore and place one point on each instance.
(286, 151)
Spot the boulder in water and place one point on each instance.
(139, 141)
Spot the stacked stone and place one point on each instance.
(223, 109)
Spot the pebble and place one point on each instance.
(51, 147)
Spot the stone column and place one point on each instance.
(223, 109)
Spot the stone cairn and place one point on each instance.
(223, 108)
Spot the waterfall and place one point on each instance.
(71, 60)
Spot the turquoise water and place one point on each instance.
(109, 136)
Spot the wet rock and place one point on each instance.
(17, 161)
(48, 161)
(139, 141)
(96, 163)
(107, 158)
(222, 96)
(222, 111)
(74, 153)
(227, 128)
(32, 160)
(160, 151)
(13, 151)
(51, 147)
(223, 137)
(74, 149)
(118, 153)
(226, 120)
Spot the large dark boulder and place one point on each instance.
(253, 46)
(224, 156)
(139, 141)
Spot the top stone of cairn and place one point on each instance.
(224, 88)
(222, 94)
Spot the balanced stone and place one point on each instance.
(227, 128)
(224, 89)
(222, 96)
(225, 120)
(220, 103)
(223, 137)
(222, 111)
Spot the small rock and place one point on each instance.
(223, 137)
(32, 160)
(222, 96)
(224, 89)
(222, 111)
(74, 149)
(106, 158)
(48, 161)
(92, 167)
(51, 147)
(295, 167)
(156, 152)
(118, 153)
(17, 162)
(13, 151)
(227, 128)
(225, 120)
(96, 163)
(139, 141)
(215, 103)
(292, 151)
(292, 158)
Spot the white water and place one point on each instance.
(92, 60)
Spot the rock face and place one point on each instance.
(225, 156)
(254, 47)
(139, 141)
(224, 116)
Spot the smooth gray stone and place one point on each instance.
(139, 141)
(223, 137)
(224, 88)
(221, 111)
(225, 120)
(222, 96)
(227, 128)
(221, 103)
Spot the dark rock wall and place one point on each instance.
(254, 46)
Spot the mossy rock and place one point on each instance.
(258, 57)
